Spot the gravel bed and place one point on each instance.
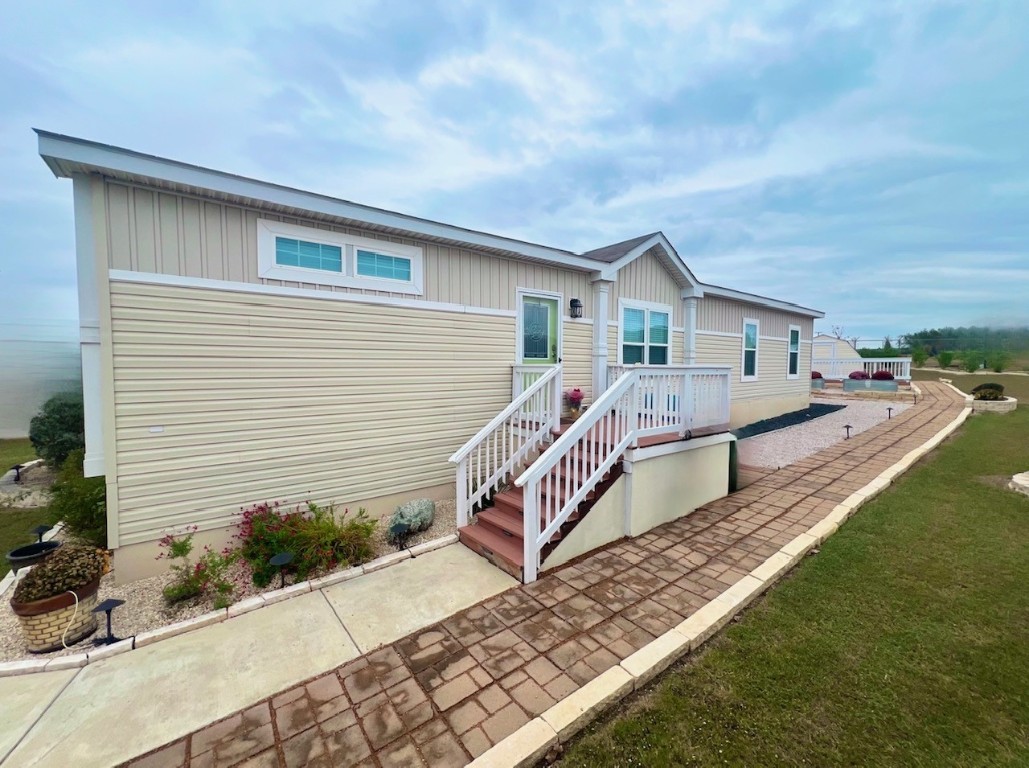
(145, 608)
(813, 411)
(774, 450)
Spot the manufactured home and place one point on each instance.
(243, 341)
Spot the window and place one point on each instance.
(750, 331)
(793, 355)
(373, 264)
(300, 253)
(645, 334)
(310, 255)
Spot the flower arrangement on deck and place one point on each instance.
(574, 398)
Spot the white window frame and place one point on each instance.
(789, 352)
(648, 307)
(522, 293)
(743, 349)
(268, 269)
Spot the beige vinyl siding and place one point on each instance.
(577, 358)
(725, 316)
(273, 397)
(772, 366)
(646, 279)
(172, 234)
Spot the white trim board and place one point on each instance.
(144, 278)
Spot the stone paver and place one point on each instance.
(444, 695)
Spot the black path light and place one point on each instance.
(107, 606)
(39, 530)
(280, 561)
(848, 428)
(889, 412)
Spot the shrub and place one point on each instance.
(858, 375)
(209, 573)
(988, 385)
(998, 361)
(882, 375)
(58, 428)
(68, 568)
(971, 360)
(816, 375)
(80, 502)
(945, 359)
(989, 394)
(316, 538)
(919, 356)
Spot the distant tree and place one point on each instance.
(887, 344)
(837, 331)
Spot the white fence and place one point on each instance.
(830, 368)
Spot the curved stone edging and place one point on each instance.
(528, 745)
(143, 639)
(1007, 405)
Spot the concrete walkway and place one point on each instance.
(120, 707)
(447, 692)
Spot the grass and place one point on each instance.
(15, 524)
(905, 641)
(16, 451)
(1014, 386)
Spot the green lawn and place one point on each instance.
(1014, 386)
(905, 641)
(16, 451)
(15, 524)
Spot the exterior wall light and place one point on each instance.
(575, 308)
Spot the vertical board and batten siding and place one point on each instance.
(646, 279)
(225, 399)
(173, 234)
(726, 316)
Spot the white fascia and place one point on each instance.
(54, 148)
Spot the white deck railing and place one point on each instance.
(643, 400)
(679, 397)
(503, 445)
(834, 368)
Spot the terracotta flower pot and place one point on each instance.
(45, 622)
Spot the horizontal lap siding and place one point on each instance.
(273, 397)
(170, 234)
(772, 366)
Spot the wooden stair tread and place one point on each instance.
(507, 547)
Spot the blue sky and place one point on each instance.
(870, 159)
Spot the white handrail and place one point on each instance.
(499, 448)
(841, 368)
(643, 400)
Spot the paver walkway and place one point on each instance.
(447, 693)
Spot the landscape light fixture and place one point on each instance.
(889, 412)
(39, 530)
(107, 606)
(848, 428)
(575, 308)
(280, 561)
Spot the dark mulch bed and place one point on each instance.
(813, 411)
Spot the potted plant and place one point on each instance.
(574, 397)
(817, 381)
(54, 602)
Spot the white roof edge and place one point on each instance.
(761, 301)
(53, 146)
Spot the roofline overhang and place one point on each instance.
(55, 148)
(761, 301)
(609, 271)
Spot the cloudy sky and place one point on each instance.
(870, 159)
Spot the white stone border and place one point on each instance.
(528, 745)
(1007, 405)
(143, 639)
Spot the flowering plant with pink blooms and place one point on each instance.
(574, 397)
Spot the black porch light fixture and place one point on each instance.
(280, 561)
(575, 308)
